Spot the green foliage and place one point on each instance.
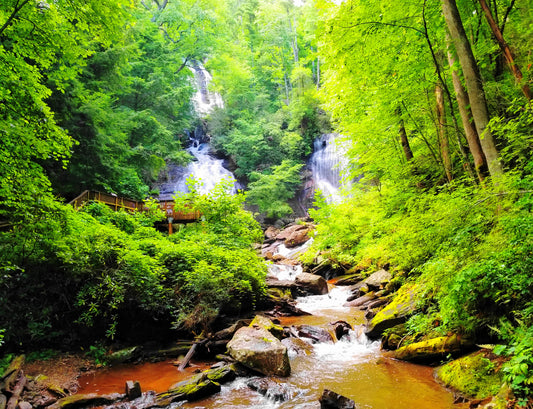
(5, 361)
(80, 276)
(40, 45)
(98, 354)
(518, 371)
(271, 190)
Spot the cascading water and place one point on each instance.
(329, 166)
(353, 366)
(204, 100)
(205, 168)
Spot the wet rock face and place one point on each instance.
(312, 283)
(332, 400)
(258, 349)
(272, 389)
(315, 334)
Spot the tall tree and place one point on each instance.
(474, 85)
(43, 45)
(466, 117)
(506, 50)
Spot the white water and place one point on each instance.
(334, 300)
(329, 166)
(206, 169)
(284, 272)
(293, 252)
(204, 99)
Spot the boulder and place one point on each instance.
(298, 346)
(332, 400)
(340, 329)
(378, 280)
(402, 306)
(477, 375)
(350, 279)
(271, 388)
(432, 350)
(297, 238)
(258, 349)
(360, 301)
(312, 283)
(190, 390)
(287, 232)
(271, 232)
(315, 334)
(82, 400)
(24, 405)
(123, 355)
(265, 323)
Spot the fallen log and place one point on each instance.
(190, 354)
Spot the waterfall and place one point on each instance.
(328, 165)
(205, 167)
(204, 100)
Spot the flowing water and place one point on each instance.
(353, 366)
(329, 166)
(205, 167)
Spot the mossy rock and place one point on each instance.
(223, 374)
(350, 279)
(402, 306)
(123, 355)
(277, 293)
(83, 400)
(432, 350)
(226, 373)
(473, 375)
(265, 323)
(189, 392)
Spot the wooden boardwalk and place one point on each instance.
(116, 203)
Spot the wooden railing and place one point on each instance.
(113, 201)
(168, 207)
(117, 203)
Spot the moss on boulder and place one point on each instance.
(402, 306)
(190, 390)
(432, 350)
(473, 375)
(263, 322)
(83, 400)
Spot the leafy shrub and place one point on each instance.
(102, 270)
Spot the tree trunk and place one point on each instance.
(443, 135)
(504, 47)
(405, 142)
(466, 117)
(474, 85)
(318, 73)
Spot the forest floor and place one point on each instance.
(62, 370)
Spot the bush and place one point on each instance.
(77, 277)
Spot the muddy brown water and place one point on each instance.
(353, 367)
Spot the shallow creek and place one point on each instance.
(353, 367)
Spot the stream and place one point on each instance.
(354, 367)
